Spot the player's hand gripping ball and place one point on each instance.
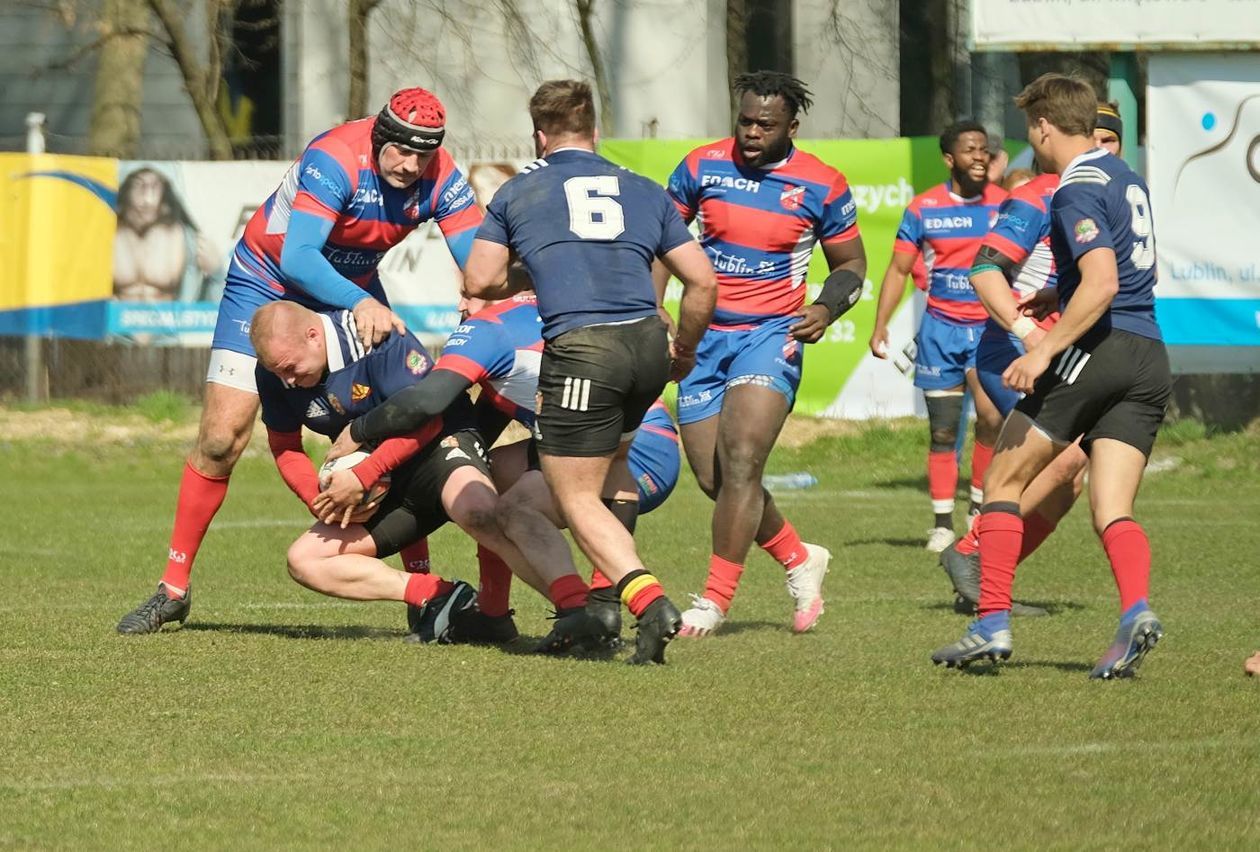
(372, 495)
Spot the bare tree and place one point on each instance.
(607, 112)
(114, 129)
(736, 49)
(202, 78)
(358, 13)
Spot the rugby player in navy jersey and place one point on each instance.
(313, 373)
(356, 191)
(1100, 374)
(587, 232)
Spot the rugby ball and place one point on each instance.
(375, 493)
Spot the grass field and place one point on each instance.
(278, 718)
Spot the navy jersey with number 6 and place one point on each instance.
(587, 231)
(1102, 203)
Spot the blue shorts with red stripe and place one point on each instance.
(946, 352)
(765, 355)
(244, 293)
(654, 464)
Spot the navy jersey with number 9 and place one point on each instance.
(1102, 203)
(587, 231)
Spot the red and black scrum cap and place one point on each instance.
(413, 118)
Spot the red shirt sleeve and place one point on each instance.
(296, 468)
(394, 451)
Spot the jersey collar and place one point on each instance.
(332, 344)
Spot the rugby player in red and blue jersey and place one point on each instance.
(945, 226)
(356, 191)
(1100, 375)
(762, 205)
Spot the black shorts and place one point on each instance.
(1110, 385)
(413, 507)
(596, 383)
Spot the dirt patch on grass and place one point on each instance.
(801, 430)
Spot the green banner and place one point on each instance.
(884, 174)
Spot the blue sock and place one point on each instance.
(1132, 611)
(994, 621)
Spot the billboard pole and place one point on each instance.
(34, 348)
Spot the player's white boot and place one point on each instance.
(940, 538)
(804, 583)
(702, 619)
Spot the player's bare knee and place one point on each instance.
(742, 468)
(302, 562)
(221, 446)
(480, 520)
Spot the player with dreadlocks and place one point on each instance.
(763, 204)
(356, 191)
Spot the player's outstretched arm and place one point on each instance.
(692, 267)
(410, 408)
(891, 289)
(989, 275)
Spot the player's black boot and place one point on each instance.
(659, 624)
(435, 620)
(574, 627)
(473, 627)
(156, 611)
(604, 606)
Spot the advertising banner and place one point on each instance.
(1204, 168)
(1023, 25)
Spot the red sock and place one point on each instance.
(1000, 536)
(981, 455)
(786, 547)
(567, 592)
(200, 497)
(970, 542)
(1129, 551)
(722, 582)
(599, 581)
(496, 583)
(942, 480)
(422, 588)
(415, 557)
(1036, 530)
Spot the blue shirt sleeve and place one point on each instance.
(495, 226)
(398, 363)
(839, 214)
(673, 231)
(911, 230)
(302, 262)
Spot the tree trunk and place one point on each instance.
(200, 82)
(114, 129)
(607, 115)
(358, 12)
(736, 49)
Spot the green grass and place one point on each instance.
(277, 717)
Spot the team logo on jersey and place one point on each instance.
(714, 153)
(791, 197)
(1086, 231)
(336, 404)
(359, 392)
(415, 362)
(412, 208)
(316, 409)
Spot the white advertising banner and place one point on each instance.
(1113, 24)
(1203, 150)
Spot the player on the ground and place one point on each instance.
(587, 232)
(945, 225)
(313, 373)
(1013, 261)
(356, 191)
(1100, 374)
(762, 205)
(498, 346)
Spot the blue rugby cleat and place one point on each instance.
(1138, 632)
(988, 638)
